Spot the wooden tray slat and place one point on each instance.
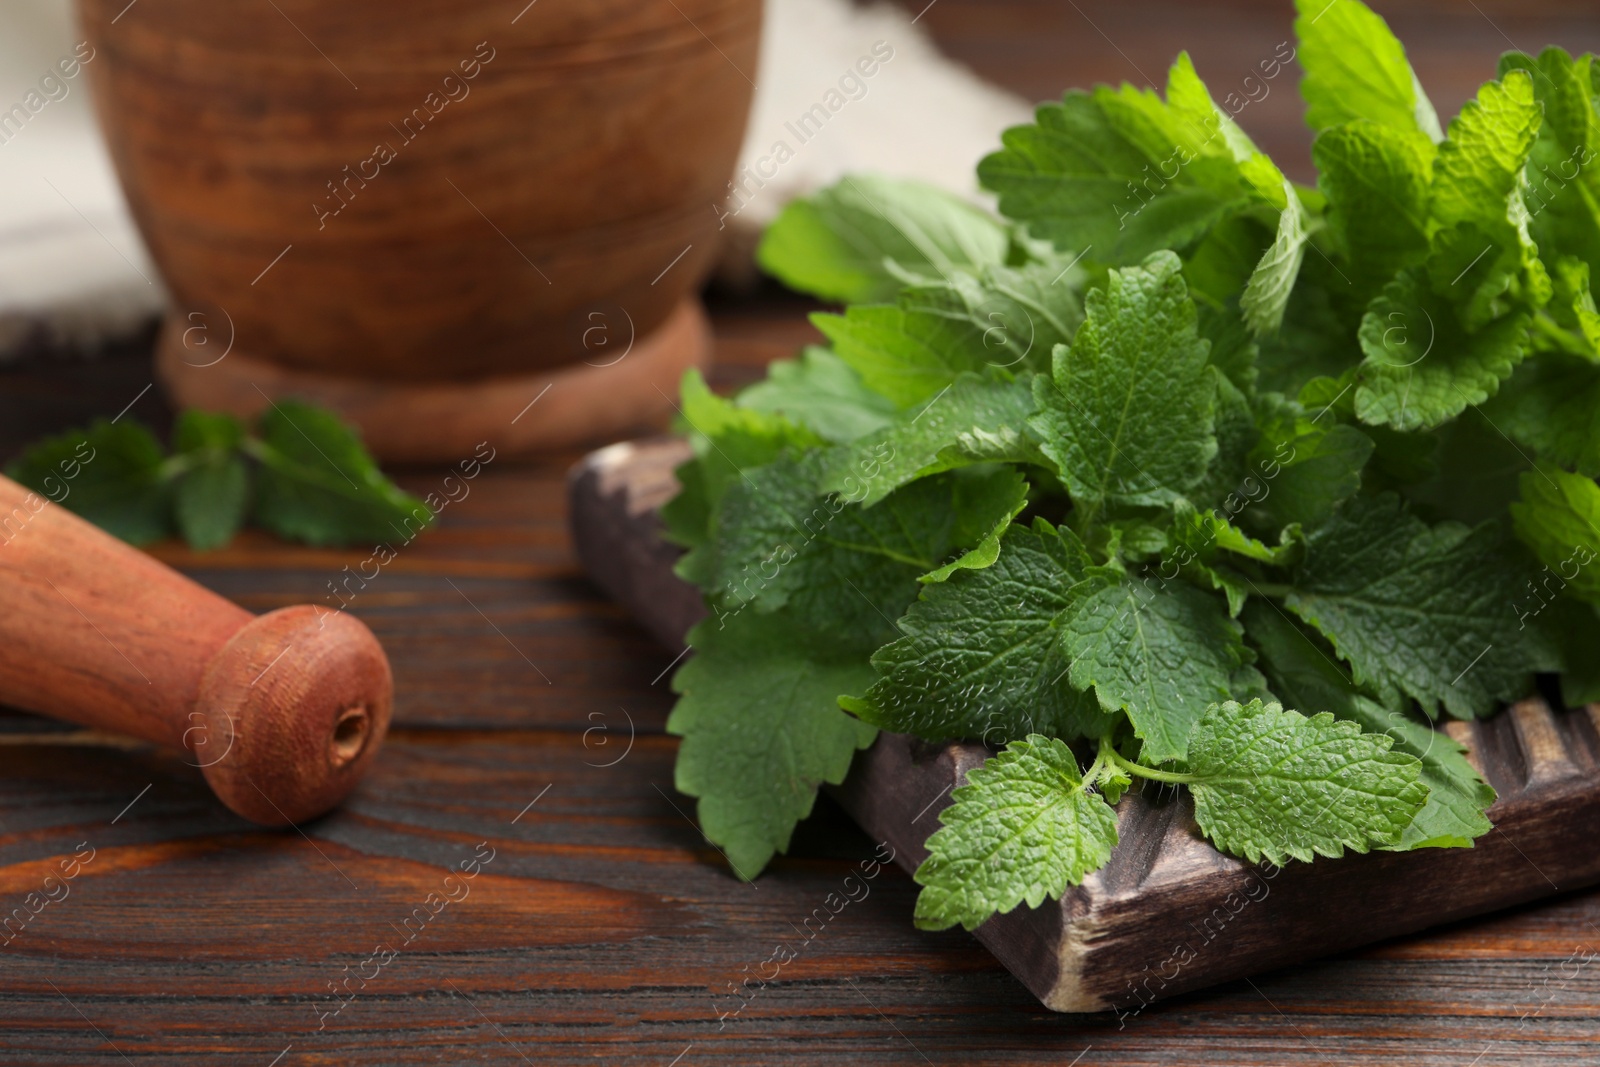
(1168, 913)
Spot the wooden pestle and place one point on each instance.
(282, 712)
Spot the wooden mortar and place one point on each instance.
(282, 712)
(423, 214)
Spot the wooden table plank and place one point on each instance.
(604, 926)
(608, 928)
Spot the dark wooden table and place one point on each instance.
(529, 717)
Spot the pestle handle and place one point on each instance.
(283, 712)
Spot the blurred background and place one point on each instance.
(75, 280)
(72, 268)
(73, 271)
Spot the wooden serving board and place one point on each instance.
(1168, 913)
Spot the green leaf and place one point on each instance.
(1475, 472)
(1564, 89)
(1205, 129)
(213, 494)
(1400, 459)
(834, 243)
(1485, 275)
(1161, 652)
(1164, 173)
(1562, 189)
(1188, 133)
(822, 392)
(1575, 627)
(1076, 180)
(1015, 315)
(1233, 351)
(973, 420)
(730, 438)
(1206, 533)
(1572, 308)
(1219, 267)
(1303, 673)
(686, 518)
(981, 653)
(1129, 540)
(1423, 611)
(1549, 406)
(1022, 829)
(1318, 335)
(1458, 797)
(1128, 416)
(727, 440)
(1325, 396)
(1478, 209)
(1266, 296)
(1198, 542)
(1274, 785)
(198, 432)
(210, 502)
(1231, 471)
(1307, 466)
(1481, 164)
(111, 474)
(1422, 367)
(761, 730)
(987, 550)
(1558, 517)
(1220, 577)
(1377, 181)
(1356, 69)
(838, 565)
(318, 484)
(908, 351)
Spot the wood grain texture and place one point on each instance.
(625, 389)
(96, 632)
(557, 963)
(283, 713)
(397, 189)
(480, 734)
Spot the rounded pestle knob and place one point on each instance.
(283, 712)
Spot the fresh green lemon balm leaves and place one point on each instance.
(303, 475)
(1126, 414)
(1273, 785)
(1175, 471)
(761, 730)
(1023, 828)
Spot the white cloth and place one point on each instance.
(919, 116)
(72, 266)
(71, 263)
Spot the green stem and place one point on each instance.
(1139, 770)
(277, 460)
(1570, 342)
(181, 463)
(1092, 775)
(1276, 589)
(879, 550)
(173, 466)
